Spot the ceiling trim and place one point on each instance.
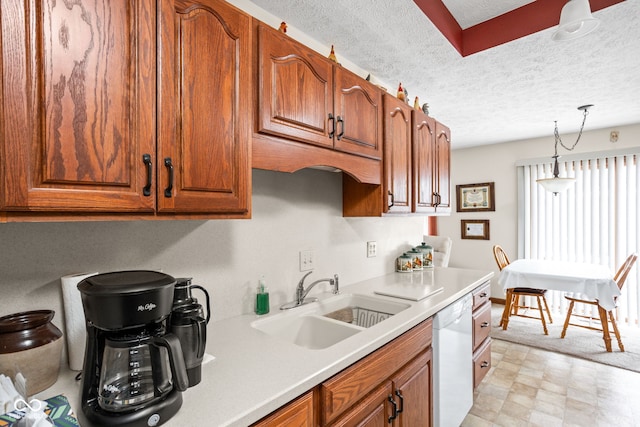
(520, 22)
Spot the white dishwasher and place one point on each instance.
(452, 363)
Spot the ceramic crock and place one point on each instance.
(404, 264)
(427, 255)
(31, 344)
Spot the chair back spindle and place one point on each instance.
(623, 271)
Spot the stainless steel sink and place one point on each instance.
(325, 323)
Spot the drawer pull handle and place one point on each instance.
(484, 324)
(394, 409)
(333, 126)
(483, 295)
(484, 364)
(399, 394)
(146, 159)
(340, 121)
(169, 165)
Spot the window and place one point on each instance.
(595, 222)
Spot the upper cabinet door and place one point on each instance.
(358, 107)
(397, 155)
(295, 92)
(78, 105)
(204, 99)
(443, 159)
(424, 162)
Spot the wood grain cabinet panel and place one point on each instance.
(295, 90)
(412, 392)
(78, 105)
(442, 169)
(341, 392)
(357, 107)
(204, 91)
(481, 316)
(305, 97)
(397, 155)
(416, 167)
(299, 413)
(124, 109)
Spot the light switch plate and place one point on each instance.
(306, 260)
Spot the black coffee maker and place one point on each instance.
(134, 370)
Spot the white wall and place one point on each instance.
(291, 212)
(496, 163)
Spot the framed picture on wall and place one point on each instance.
(475, 197)
(474, 229)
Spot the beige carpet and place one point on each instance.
(579, 342)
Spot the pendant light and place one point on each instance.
(556, 184)
(575, 21)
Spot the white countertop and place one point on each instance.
(254, 373)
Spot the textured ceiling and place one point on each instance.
(509, 92)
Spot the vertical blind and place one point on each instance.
(595, 221)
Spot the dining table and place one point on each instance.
(594, 281)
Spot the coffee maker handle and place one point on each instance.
(206, 294)
(176, 360)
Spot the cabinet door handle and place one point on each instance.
(333, 126)
(401, 397)
(394, 409)
(484, 324)
(341, 122)
(390, 194)
(438, 199)
(484, 364)
(146, 159)
(169, 166)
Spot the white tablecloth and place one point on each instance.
(592, 280)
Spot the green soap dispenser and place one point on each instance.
(262, 298)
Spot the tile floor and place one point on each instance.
(531, 387)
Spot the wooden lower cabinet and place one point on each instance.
(391, 387)
(403, 401)
(371, 411)
(481, 333)
(298, 413)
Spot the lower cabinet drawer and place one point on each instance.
(481, 325)
(481, 362)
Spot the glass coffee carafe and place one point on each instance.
(136, 370)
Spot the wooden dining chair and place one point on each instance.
(619, 278)
(513, 302)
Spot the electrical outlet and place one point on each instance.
(372, 249)
(306, 260)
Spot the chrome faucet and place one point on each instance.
(301, 292)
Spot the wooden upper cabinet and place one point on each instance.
(78, 105)
(357, 106)
(416, 167)
(431, 165)
(203, 100)
(443, 168)
(397, 155)
(295, 90)
(305, 97)
(424, 162)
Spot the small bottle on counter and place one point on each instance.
(262, 298)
